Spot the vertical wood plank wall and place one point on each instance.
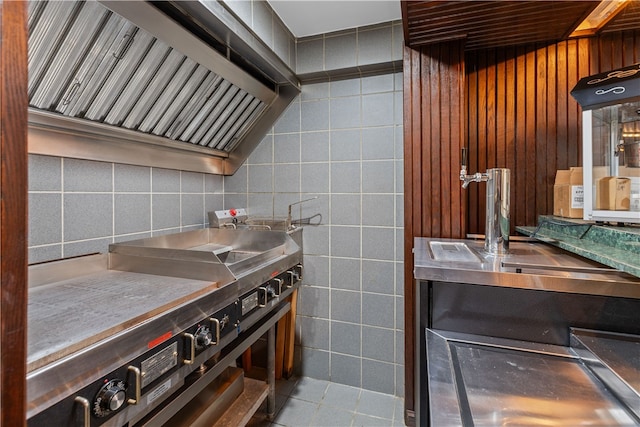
(514, 111)
(433, 136)
(13, 212)
(522, 117)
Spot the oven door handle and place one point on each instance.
(192, 349)
(262, 289)
(279, 285)
(86, 414)
(137, 378)
(216, 325)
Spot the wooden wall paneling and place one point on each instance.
(540, 132)
(472, 113)
(574, 134)
(490, 147)
(13, 212)
(593, 56)
(510, 117)
(541, 107)
(501, 109)
(457, 115)
(562, 95)
(582, 68)
(518, 177)
(433, 132)
(612, 51)
(415, 149)
(551, 120)
(617, 56)
(529, 84)
(605, 59)
(479, 151)
(628, 54)
(431, 141)
(447, 93)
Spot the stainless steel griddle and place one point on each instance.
(116, 339)
(88, 309)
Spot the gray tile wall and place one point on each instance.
(267, 25)
(341, 141)
(78, 207)
(357, 50)
(351, 51)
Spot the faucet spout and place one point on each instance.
(476, 177)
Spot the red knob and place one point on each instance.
(233, 212)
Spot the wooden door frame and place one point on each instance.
(13, 212)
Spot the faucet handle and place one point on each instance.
(463, 159)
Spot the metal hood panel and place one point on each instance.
(126, 71)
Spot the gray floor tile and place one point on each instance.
(296, 413)
(376, 404)
(318, 403)
(341, 396)
(309, 389)
(361, 420)
(328, 416)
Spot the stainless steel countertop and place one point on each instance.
(528, 265)
(485, 381)
(88, 301)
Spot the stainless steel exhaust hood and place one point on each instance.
(182, 85)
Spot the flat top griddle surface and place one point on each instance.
(69, 315)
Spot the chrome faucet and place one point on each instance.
(467, 179)
(476, 177)
(496, 235)
(289, 224)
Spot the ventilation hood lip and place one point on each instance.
(52, 139)
(45, 120)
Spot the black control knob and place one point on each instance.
(110, 398)
(203, 337)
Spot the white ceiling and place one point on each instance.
(311, 17)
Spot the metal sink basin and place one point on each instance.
(453, 251)
(232, 257)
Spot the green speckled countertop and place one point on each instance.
(617, 247)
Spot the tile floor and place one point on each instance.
(310, 402)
